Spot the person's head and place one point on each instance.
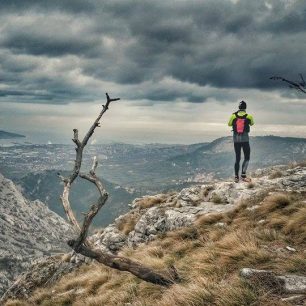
(242, 105)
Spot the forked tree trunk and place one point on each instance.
(81, 245)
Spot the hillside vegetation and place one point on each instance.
(266, 231)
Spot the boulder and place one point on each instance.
(42, 272)
(289, 283)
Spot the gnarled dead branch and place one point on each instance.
(80, 145)
(81, 244)
(300, 86)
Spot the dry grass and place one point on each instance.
(186, 233)
(296, 225)
(150, 201)
(217, 199)
(297, 164)
(208, 259)
(275, 202)
(127, 223)
(209, 219)
(275, 174)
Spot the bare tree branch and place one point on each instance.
(124, 264)
(298, 86)
(75, 138)
(78, 163)
(81, 244)
(91, 177)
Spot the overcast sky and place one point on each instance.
(180, 67)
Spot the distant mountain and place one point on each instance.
(218, 156)
(8, 135)
(148, 169)
(28, 230)
(47, 187)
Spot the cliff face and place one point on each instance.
(28, 230)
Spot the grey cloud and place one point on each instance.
(74, 6)
(27, 43)
(213, 43)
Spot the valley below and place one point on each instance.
(130, 171)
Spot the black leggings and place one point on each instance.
(246, 151)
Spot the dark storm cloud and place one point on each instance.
(216, 43)
(41, 45)
(75, 6)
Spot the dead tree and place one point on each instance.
(300, 86)
(81, 245)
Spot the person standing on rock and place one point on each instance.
(241, 122)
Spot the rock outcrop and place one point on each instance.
(152, 216)
(181, 209)
(42, 272)
(291, 285)
(28, 230)
(282, 284)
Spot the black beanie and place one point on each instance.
(242, 105)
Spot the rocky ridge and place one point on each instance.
(180, 209)
(28, 230)
(152, 216)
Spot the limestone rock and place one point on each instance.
(111, 239)
(28, 230)
(190, 196)
(42, 272)
(289, 283)
(182, 208)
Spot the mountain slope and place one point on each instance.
(47, 187)
(250, 252)
(151, 169)
(218, 156)
(8, 135)
(28, 230)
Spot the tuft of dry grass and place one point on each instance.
(275, 174)
(240, 248)
(199, 292)
(267, 234)
(127, 223)
(66, 257)
(186, 233)
(15, 303)
(296, 225)
(209, 219)
(150, 201)
(216, 199)
(274, 202)
(296, 264)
